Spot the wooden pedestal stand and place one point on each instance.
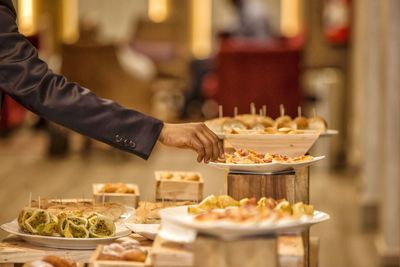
(292, 185)
(246, 252)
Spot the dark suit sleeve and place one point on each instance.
(27, 79)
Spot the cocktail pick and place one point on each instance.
(253, 108)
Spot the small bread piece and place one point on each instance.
(228, 125)
(37, 263)
(59, 261)
(317, 123)
(283, 121)
(301, 123)
(285, 130)
(266, 121)
(191, 177)
(109, 257)
(134, 254)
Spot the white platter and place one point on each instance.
(264, 167)
(149, 231)
(177, 219)
(329, 132)
(62, 242)
(252, 134)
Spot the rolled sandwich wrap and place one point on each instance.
(101, 226)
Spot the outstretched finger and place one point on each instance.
(197, 146)
(208, 148)
(213, 139)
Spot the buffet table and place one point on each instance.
(14, 252)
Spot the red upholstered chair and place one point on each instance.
(260, 73)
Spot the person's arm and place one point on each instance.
(27, 79)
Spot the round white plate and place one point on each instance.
(180, 217)
(329, 132)
(149, 231)
(62, 242)
(252, 134)
(264, 167)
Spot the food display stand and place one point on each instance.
(292, 185)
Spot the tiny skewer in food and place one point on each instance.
(301, 122)
(253, 108)
(317, 123)
(220, 112)
(283, 121)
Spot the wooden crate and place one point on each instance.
(110, 263)
(178, 190)
(131, 200)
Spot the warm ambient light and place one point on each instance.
(290, 17)
(201, 28)
(158, 10)
(26, 18)
(70, 21)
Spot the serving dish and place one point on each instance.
(177, 223)
(62, 242)
(291, 145)
(149, 231)
(272, 167)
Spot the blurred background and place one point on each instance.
(177, 60)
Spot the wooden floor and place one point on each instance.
(25, 168)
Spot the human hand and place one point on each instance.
(195, 136)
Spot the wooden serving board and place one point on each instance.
(14, 250)
(109, 263)
(291, 145)
(176, 190)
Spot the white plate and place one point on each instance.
(329, 132)
(62, 242)
(180, 217)
(252, 134)
(149, 231)
(264, 167)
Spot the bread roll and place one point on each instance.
(317, 123)
(59, 261)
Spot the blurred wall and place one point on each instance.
(116, 18)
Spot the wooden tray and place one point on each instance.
(130, 200)
(178, 190)
(291, 145)
(109, 263)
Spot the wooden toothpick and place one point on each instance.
(282, 108)
(264, 107)
(220, 111)
(261, 112)
(299, 111)
(39, 202)
(235, 111)
(30, 200)
(253, 108)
